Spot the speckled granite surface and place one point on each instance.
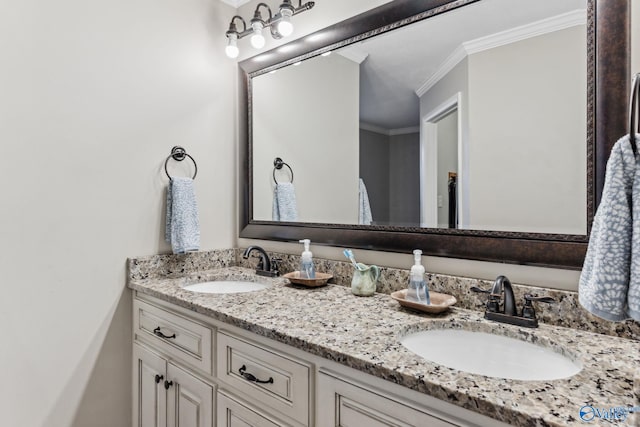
(170, 265)
(566, 312)
(330, 324)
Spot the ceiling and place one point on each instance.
(235, 3)
(400, 62)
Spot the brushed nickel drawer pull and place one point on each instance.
(250, 377)
(157, 332)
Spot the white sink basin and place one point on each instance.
(225, 287)
(491, 355)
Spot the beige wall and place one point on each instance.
(94, 95)
(530, 161)
(635, 37)
(309, 116)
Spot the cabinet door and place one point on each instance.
(231, 413)
(149, 397)
(190, 400)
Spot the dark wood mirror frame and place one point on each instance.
(608, 80)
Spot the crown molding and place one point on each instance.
(456, 57)
(354, 55)
(492, 41)
(538, 28)
(404, 131)
(388, 132)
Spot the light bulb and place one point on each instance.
(257, 39)
(285, 27)
(232, 50)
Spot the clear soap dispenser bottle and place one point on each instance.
(307, 270)
(417, 290)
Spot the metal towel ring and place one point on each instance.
(277, 164)
(179, 154)
(633, 110)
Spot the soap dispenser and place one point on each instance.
(417, 290)
(307, 270)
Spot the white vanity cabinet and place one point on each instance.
(175, 385)
(167, 395)
(224, 376)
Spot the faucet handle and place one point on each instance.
(529, 297)
(275, 265)
(493, 302)
(527, 310)
(260, 265)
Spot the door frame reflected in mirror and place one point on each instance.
(429, 143)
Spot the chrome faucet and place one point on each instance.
(265, 266)
(501, 304)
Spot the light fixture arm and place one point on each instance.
(302, 7)
(257, 14)
(234, 30)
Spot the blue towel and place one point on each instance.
(182, 225)
(609, 283)
(284, 203)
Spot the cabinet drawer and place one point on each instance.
(344, 404)
(282, 382)
(173, 334)
(232, 413)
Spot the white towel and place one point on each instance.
(605, 289)
(284, 203)
(364, 208)
(182, 229)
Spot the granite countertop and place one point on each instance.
(329, 322)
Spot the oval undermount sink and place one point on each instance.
(490, 355)
(225, 287)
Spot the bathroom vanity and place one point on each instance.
(292, 356)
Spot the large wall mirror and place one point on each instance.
(419, 125)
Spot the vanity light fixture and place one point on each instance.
(279, 25)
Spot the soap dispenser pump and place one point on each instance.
(417, 290)
(307, 270)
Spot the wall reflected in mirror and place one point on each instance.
(450, 122)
